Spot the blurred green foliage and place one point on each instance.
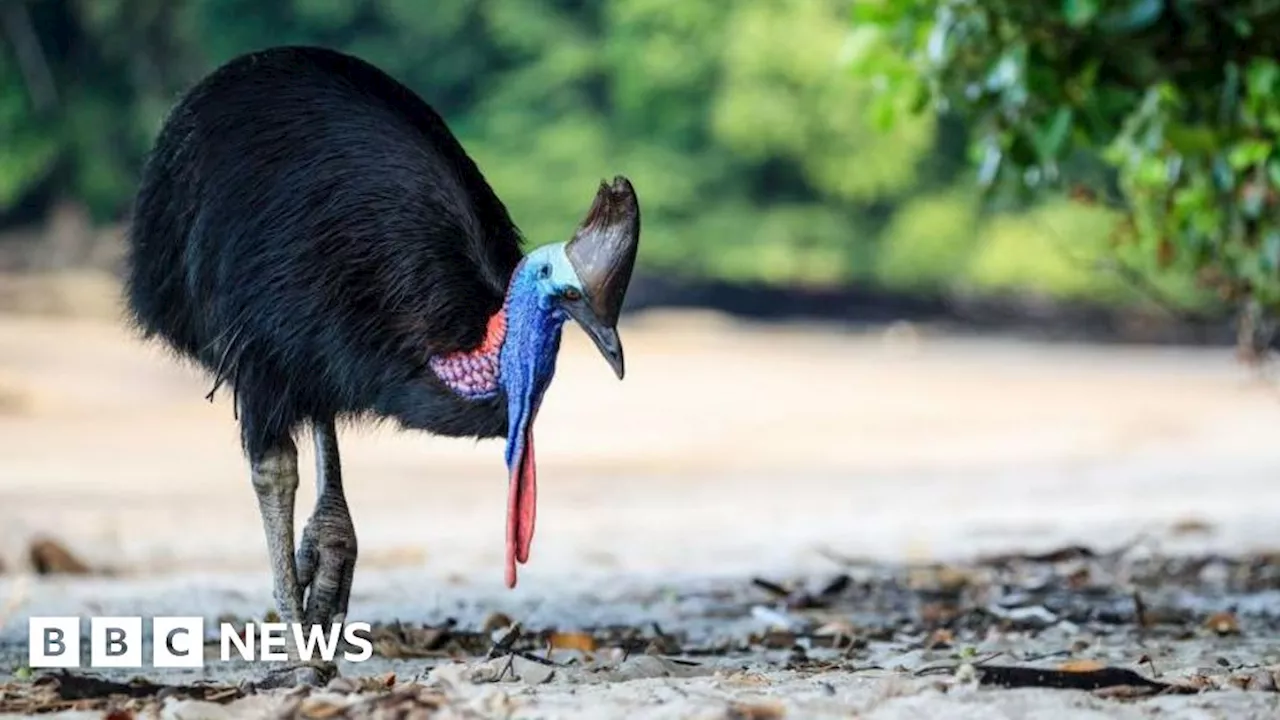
(757, 153)
(1166, 110)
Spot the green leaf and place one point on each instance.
(883, 114)
(1139, 15)
(877, 12)
(921, 99)
(1079, 12)
(1191, 139)
(860, 47)
(1022, 150)
(1223, 176)
(1248, 153)
(1051, 139)
(1261, 76)
(1271, 249)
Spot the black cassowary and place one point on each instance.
(310, 232)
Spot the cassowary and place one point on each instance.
(309, 231)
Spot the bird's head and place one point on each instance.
(585, 279)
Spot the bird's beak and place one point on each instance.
(603, 254)
(604, 336)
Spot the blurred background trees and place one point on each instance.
(772, 140)
(1165, 111)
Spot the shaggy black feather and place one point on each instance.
(309, 230)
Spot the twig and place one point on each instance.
(1150, 664)
(1140, 612)
(770, 587)
(505, 643)
(511, 659)
(534, 658)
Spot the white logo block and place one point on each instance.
(275, 635)
(115, 642)
(177, 642)
(53, 642)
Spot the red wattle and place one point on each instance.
(522, 507)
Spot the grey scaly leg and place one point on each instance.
(275, 480)
(327, 555)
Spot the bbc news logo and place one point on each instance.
(179, 642)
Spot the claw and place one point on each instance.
(326, 556)
(306, 561)
(326, 562)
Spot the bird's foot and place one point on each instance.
(311, 674)
(326, 563)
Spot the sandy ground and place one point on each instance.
(728, 451)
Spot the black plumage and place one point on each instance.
(310, 231)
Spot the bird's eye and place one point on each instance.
(544, 272)
(571, 294)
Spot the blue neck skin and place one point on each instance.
(527, 361)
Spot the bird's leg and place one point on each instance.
(275, 480)
(327, 554)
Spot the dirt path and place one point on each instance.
(727, 452)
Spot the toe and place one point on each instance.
(330, 586)
(307, 559)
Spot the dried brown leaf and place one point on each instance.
(1200, 682)
(1081, 666)
(49, 557)
(572, 641)
(1124, 692)
(1079, 578)
(939, 639)
(1191, 526)
(316, 709)
(1223, 623)
(497, 621)
(938, 613)
(755, 711)
(410, 702)
(778, 639)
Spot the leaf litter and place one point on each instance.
(1122, 624)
